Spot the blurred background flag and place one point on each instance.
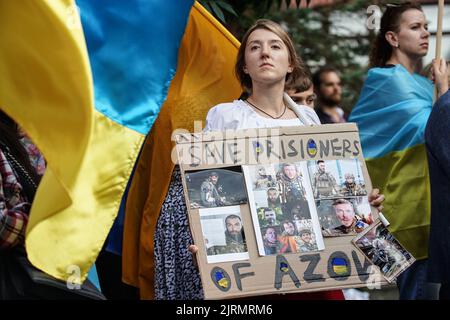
(87, 99)
(395, 150)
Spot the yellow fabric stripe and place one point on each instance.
(46, 86)
(46, 83)
(75, 235)
(407, 190)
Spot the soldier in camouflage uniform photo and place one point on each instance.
(323, 183)
(234, 237)
(351, 188)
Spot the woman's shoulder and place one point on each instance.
(423, 81)
(222, 109)
(226, 116)
(384, 72)
(398, 79)
(394, 72)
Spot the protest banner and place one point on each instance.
(276, 210)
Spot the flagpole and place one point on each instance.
(439, 28)
(439, 37)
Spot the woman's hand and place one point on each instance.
(440, 75)
(376, 199)
(193, 249)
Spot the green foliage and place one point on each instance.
(218, 8)
(318, 40)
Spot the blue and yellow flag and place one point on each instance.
(204, 78)
(391, 114)
(87, 91)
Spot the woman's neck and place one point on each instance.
(268, 98)
(405, 60)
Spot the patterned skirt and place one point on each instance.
(176, 276)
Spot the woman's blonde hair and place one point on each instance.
(298, 67)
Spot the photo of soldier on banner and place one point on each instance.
(216, 188)
(283, 219)
(264, 177)
(344, 216)
(384, 251)
(223, 233)
(336, 178)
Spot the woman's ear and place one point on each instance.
(290, 69)
(245, 69)
(392, 39)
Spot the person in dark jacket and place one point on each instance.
(437, 142)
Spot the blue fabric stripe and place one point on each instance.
(115, 237)
(93, 277)
(392, 110)
(133, 50)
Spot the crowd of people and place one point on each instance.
(280, 92)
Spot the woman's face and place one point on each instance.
(266, 57)
(413, 35)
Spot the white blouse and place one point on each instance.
(239, 115)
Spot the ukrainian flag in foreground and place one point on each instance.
(391, 114)
(204, 78)
(87, 99)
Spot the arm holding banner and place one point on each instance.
(440, 75)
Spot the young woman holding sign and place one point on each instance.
(266, 65)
